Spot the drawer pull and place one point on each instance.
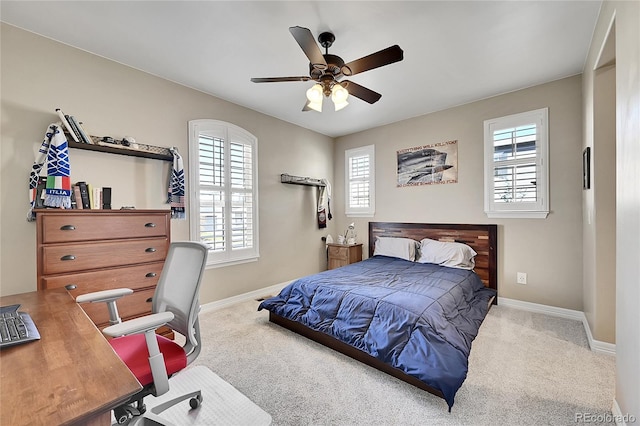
(67, 228)
(70, 287)
(150, 250)
(150, 275)
(150, 225)
(149, 300)
(68, 257)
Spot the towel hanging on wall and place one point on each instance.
(54, 150)
(324, 204)
(176, 186)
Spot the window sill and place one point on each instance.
(359, 214)
(517, 214)
(222, 263)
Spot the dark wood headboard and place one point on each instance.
(482, 238)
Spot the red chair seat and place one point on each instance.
(133, 351)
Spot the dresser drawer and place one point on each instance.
(131, 306)
(71, 227)
(58, 259)
(133, 277)
(339, 253)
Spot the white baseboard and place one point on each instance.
(620, 418)
(252, 295)
(617, 414)
(595, 345)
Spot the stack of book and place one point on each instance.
(74, 128)
(87, 196)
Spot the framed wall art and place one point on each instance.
(428, 164)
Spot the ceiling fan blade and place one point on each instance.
(308, 44)
(381, 58)
(279, 79)
(361, 92)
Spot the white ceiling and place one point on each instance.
(455, 52)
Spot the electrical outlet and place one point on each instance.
(522, 278)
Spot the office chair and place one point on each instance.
(150, 357)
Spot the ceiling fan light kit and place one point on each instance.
(327, 71)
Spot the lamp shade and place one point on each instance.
(339, 96)
(314, 94)
(316, 106)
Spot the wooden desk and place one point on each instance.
(70, 376)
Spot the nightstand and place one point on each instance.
(342, 254)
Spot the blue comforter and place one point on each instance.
(419, 318)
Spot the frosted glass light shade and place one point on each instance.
(339, 96)
(314, 94)
(316, 106)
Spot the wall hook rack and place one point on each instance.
(299, 180)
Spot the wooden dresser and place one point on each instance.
(342, 255)
(103, 249)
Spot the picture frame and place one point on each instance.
(586, 168)
(428, 164)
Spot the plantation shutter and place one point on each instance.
(226, 205)
(360, 181)
(516, 165)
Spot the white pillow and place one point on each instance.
(403, 248)
(451, 254)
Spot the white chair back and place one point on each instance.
(178, 291)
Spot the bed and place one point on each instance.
(396, 311)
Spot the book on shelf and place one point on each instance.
(106, 198)
(76, 132)
(67, 125)
(77, 196)
(82, 136)
(84, 194)
(96, 199)
(83, 133)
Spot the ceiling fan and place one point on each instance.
(327, 71)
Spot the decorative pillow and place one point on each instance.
(454, 255)
(403, 248)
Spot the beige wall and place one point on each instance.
(40, 75)
(599, 208)
(548, 250)
(626, 15)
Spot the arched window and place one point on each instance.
(223, 159)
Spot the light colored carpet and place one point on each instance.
(222, 404)
(525, 369)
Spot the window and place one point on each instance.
(224, 193)
(516, 165)
(360, 181)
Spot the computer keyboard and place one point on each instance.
(16, 327)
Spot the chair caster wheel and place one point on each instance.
(195, 401)
(122, 415)
(125, 413)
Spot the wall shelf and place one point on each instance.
(299, 180)
(144, 151)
